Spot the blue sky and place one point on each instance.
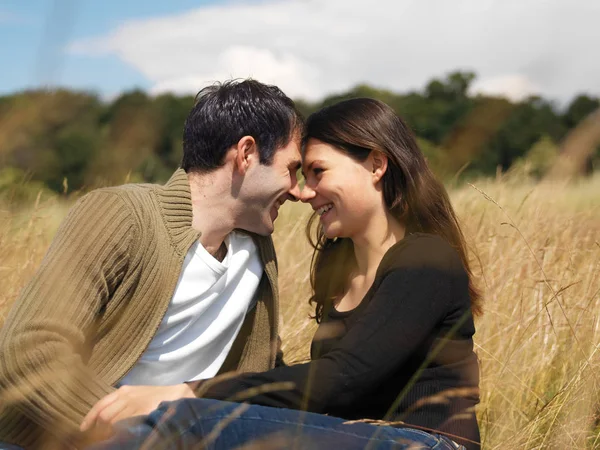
(35, 32)
(310, 48)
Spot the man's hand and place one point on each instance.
(129, 401)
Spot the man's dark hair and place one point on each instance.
(225, 112)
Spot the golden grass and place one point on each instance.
(536, 252)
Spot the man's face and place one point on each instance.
(267, 187)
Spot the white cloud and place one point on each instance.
(515, 87)
(311, 48)
(243, 61)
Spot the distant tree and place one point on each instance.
(361, 90)
(579, 109)
(527, 122)
(465, 145)
(453, 89)
(306, 108)
(132, 100)
(171, 113)
(73, 150)
(54, 134)
(538, 160)
(133, 130)
(441, 107)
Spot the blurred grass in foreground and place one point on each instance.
(536, 251)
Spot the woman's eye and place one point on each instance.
(317, 171)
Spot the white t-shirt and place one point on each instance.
(204, 316)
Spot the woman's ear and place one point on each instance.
(245, 151)
(379, 162)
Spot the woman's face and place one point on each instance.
(340, 189)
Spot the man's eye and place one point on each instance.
(317, 170)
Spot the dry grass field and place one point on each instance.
(536, 251)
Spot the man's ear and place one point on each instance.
(379, 162)
(246, 151)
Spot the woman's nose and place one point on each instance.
(307, 193)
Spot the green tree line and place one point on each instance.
(63, 140)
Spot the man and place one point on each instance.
(153, 286)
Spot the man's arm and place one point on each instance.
(49, 330)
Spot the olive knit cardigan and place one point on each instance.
(97, 300)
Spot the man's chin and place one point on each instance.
(261, 224)
(267, 227)
(270, 226)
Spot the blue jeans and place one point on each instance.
(213, 425)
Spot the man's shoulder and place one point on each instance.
(128, 190)
(130, 203)
(132, 195)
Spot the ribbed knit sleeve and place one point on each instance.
(45, 340)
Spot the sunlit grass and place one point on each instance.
(536, 251)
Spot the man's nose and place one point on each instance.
(294, 192)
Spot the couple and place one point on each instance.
(155, 311)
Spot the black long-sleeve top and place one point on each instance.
(408, 346)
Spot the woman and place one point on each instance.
(394, 299)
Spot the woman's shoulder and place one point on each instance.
(419, 250)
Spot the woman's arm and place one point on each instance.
(412, 297)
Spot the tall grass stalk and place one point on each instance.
(536, 253)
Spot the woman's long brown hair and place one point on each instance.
(411, 191)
